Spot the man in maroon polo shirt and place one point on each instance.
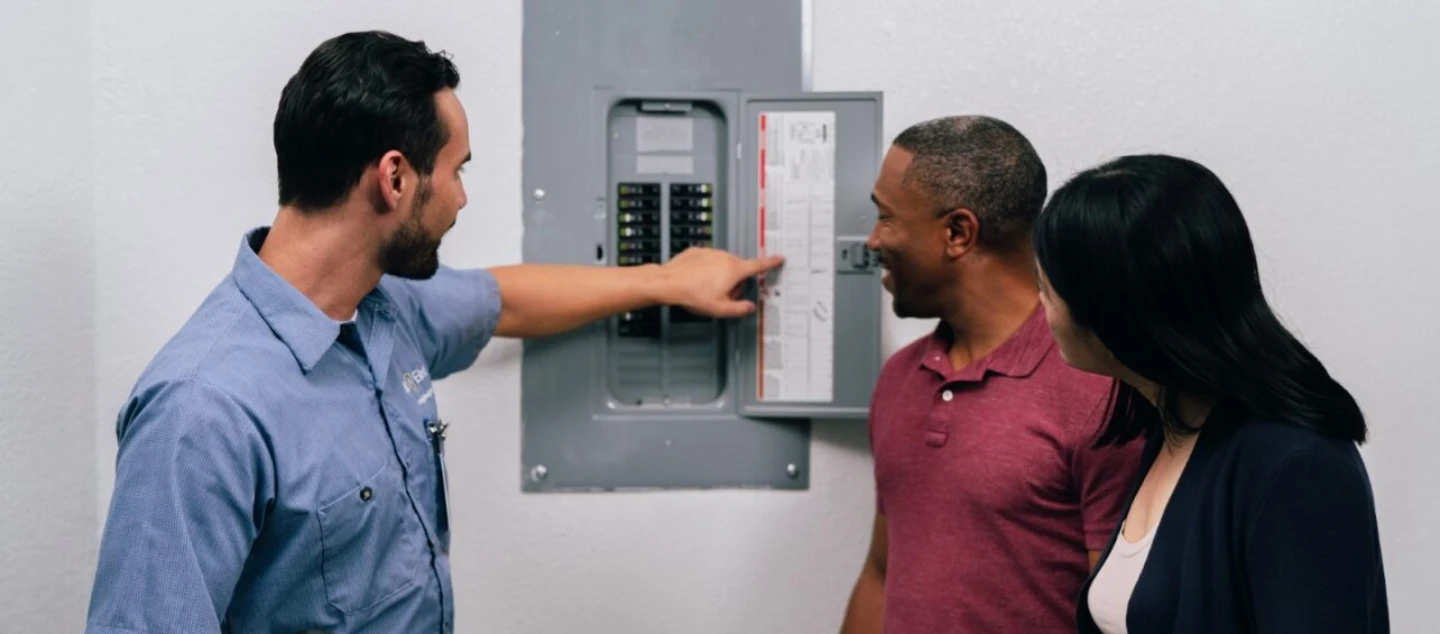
(992, 503)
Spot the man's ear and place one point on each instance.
(962, 231)
(392, 181)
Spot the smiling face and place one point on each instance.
(911, 238)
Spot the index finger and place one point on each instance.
(763, 264)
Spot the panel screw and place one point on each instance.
(792, 470)
(539, 472)
(538, 194)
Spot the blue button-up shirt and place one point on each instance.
(278, 470)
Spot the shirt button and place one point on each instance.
(366, 493)
(947, 396)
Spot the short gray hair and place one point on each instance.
(982, 164)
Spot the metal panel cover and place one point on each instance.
(630, 107)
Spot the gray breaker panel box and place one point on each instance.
(643, 137)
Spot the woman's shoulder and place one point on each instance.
(1267, 456)
(1261, 443)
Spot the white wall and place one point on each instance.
(47, 317)
(125, 198)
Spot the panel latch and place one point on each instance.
(852, 256)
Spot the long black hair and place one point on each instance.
(1152, 255)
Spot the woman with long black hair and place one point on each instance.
(1253, 510)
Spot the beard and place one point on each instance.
(411, 253)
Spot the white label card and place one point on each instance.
(797, 220)
(664, 134)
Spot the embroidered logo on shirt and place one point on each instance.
(414, 380)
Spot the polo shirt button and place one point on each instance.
(947, 396)
(365, 494)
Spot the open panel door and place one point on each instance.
(807, 165)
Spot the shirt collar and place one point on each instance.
(1017, 357)
(294, 319)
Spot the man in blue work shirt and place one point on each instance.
(281, 459)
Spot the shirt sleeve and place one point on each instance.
(453, 315)
(192, 481)
(1103, 476)
(1312, 554)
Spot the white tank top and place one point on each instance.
(1115, 581)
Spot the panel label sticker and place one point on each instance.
(664, 134)
(796, 356)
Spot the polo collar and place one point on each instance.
(1017, 357)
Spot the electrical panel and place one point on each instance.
(630, 166)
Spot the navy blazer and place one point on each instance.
(1271, 528)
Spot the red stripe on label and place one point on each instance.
(762, 184)
(760, 304)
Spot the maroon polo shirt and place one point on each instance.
(991, 492)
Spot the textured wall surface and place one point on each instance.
(47, 317)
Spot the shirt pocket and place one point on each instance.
(370, 543)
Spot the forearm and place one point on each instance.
(539, 300)
(865, 614)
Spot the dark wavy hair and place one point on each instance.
(1152, 255)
